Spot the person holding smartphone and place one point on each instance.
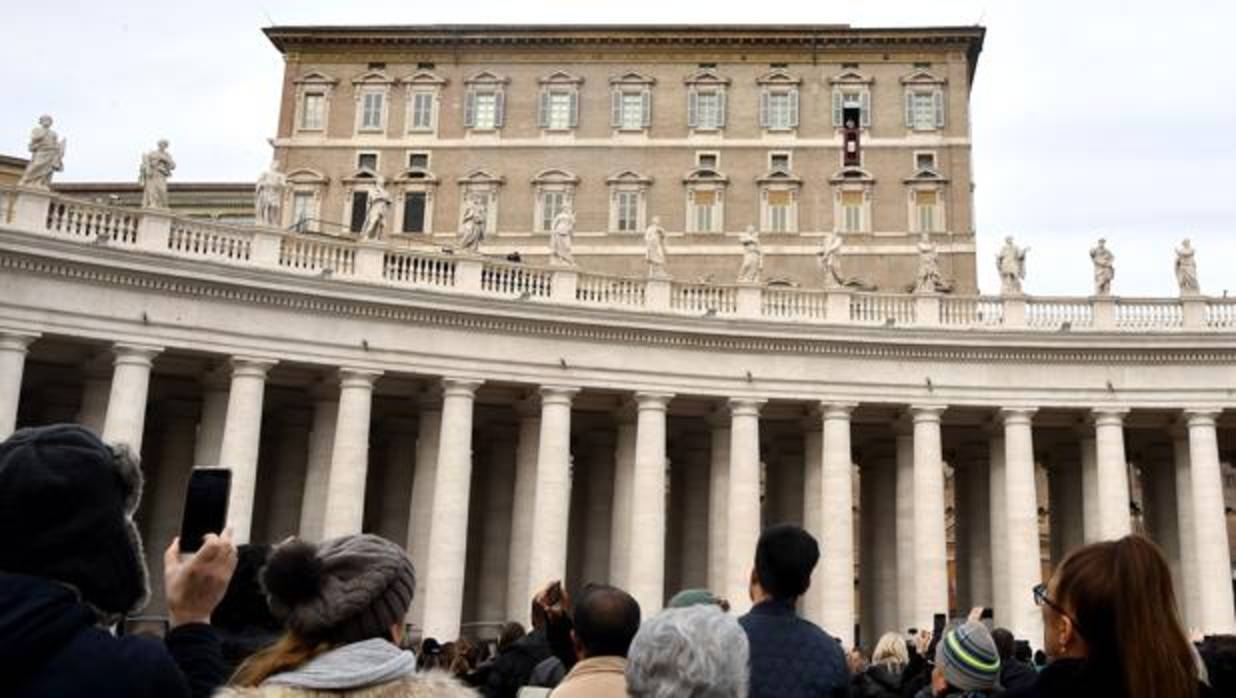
(71, 567)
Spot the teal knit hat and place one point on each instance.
(967, 655)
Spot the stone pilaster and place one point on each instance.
(242, 433)
(743, 506)
(1112, 475)
(547, 559)
(837, 523)
(349, 463)
(646, 569)
(930, 549)
(1022, 616)
(1215, 613)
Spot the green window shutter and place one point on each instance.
(470, 109)
(909, 109)
(865, 102)
(574, 108)
(615, 108)
(838, 117)
(693, 99)
(499, 108)
(939, 98)
(646, 106)
(721, 108)
(764, 109)
(543, 112)
(794, 108)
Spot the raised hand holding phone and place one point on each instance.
(195, 586)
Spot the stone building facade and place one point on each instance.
(712, 129)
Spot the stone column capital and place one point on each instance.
(557, 394)
(645, 401)
(926, 412)
(358, 377)
(1200, 416)
(1108, 416)
(836, 410)
(125, 354)
(1017, 416)
(746, 406)
(460, 386)
(17, 341)
(251, 366)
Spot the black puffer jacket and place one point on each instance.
(512, 669)
(879, 681)
(50, 645)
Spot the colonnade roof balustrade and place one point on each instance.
(377, 263)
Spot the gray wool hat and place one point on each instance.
(345, 590)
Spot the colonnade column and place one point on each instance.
(1190, 601)
(998, 529)
(930, 549)
(13, 348)
(743, 507)
(518, 590)
(448, 529)
(1091, 530)
(624, 470)
(813, 516)
(420, 515)
(646, 569)
(317, 470)
(213, 418)
(836, 592)
(126, 403)
(1022, 616)
(552, 495)
(349, 462)
(1111, 475)
(242, 432)
(718, 499)
(903, 520)
(1215, 612)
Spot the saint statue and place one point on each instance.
(1186, 269)
(928, 278)
(472, 225)
(561, 233)
(157, 166)
(268, 196)
(379, 211)
(752, 257)
(1011, 263)
(46, 156)
(829, 260)
(1104, 268)
(654, 242)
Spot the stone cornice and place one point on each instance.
(204, 280)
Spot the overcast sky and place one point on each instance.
(1094, 117)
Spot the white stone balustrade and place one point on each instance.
(41, 213)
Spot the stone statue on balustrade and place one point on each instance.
(379, 211)
(654, 243)
(928, 279)
(157, 166)
(828, 259)
(472, 224)
(268, 196)
(1011, 263)
(46, 156)
(1186, 269)
(562, 231)
(1104, 268)
(752, 257)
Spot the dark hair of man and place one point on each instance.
(606, 620)
(784, 558)
(1004, 643)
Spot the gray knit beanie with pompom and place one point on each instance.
(344, 590)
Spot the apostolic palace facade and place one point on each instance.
(490, 311)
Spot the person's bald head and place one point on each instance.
(606, 620)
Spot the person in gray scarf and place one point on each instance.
(343, 603)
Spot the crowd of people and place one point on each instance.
(299, 619)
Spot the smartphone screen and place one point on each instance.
(205, 506)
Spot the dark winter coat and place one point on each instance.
(879, 681)
(512, 669)
(51, 645)
(1069, 678)
(1016, 675)
(792, 657)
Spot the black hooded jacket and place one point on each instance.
(50, 645)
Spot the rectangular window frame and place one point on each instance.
(701, 154)
(319, 125)
(364, 110)
(377, 160)
(304, 222)
(789, 159)
(408, 155)
(935, 161)
(429, 124)
(627, 205)
(706, 219)
(426, 202)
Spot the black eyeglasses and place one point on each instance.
(1041, 598)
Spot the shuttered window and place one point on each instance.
(422, 111)
(311, 111)
(852, 211)
(628, 211)
(371, 110)
(414, 212)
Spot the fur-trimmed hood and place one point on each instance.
(427, 685)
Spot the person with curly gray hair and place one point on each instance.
(694, 652)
